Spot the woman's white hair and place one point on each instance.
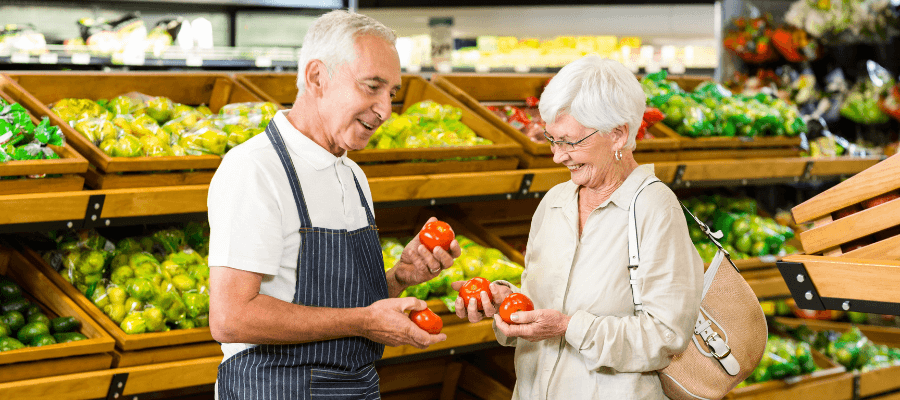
(599, 93)
(331, 39)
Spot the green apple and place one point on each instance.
(160, 108)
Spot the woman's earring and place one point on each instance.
(618, 155)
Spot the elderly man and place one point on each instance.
(298, 294)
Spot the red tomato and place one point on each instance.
(427, 320)
(472, 290)
(514, 302)
(436, 234)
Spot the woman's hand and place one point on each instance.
(535, 326)
(470, 311)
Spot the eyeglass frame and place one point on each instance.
(560, 143)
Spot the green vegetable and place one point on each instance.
(14, 320)
(9, 291)
(64, 324)
(32, 330)
(68, 337)
(9, 344)
(44, 339)
(20, 305)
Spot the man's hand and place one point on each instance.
(535, 326)
(417, 264)
(387, 323)
(470, 311)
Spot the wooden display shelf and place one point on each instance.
(124, 342)
(70, 165)
(95, 385)
(35, 362)
(772, 389)
(840, 279)
(40, 89)
(282, 89)
(474, 89)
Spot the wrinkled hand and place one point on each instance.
(417, 264)
(470, 311)
(535, 326)
(387, 323)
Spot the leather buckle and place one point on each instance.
(713, 349)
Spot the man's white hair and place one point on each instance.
(332, 40)
(599, 93)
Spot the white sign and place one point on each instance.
(20, 58)
(194, 61)
(263, 62)
(48, 58)
(81, 58)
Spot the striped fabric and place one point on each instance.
(336, 268)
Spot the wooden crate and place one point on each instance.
(722, 147)
(872, 382)
(474, 89)
(70, 166)
(281, 89)
(40, 89)
(133, 349)
(877, 224)
(65, 358)
(773, 389)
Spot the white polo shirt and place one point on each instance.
(254, 225)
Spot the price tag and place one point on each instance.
(522, 69)
(48, 58)
(81, 58)
(20, 58)
(768, 258)
(133, 58)
(194, 61)
(263, 62)
(482, 68)
(414, 69)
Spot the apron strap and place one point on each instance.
(277, 142)
(362, 199)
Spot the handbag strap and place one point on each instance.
(720, 350)
(634, 258)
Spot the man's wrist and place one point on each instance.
(394, 282)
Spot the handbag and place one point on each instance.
(729, 335)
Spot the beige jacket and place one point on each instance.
(607, 351)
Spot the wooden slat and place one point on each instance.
(165, 354)
(457, 335)
(743, 169)
(851, 278)
(769, 287)
(476, 381)
(887, 249)
(70, 162)
(879, 179)
(54, 367)
(445, 185)
(451, 380)
(860, 224)
(832, 166)
(153, 201)
(740, 154)
(429, 392)
(839, 387)
(98, 180)
(879, 381)
(65, 183)
(438, 167)
(25, 208)
(411, 375)
(546, 179)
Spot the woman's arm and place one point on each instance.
(671, 281)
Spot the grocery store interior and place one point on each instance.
(775, 122)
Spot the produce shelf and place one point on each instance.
(173, 57)
(34, 212)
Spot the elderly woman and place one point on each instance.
(584, 339)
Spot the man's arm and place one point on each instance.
(240, 314)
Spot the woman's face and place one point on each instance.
(590, 161)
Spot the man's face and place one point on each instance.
(357, 99)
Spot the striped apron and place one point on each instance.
(336, 268)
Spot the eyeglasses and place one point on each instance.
(566, 145)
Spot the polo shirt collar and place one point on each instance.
(621, 197)
(298, 143)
